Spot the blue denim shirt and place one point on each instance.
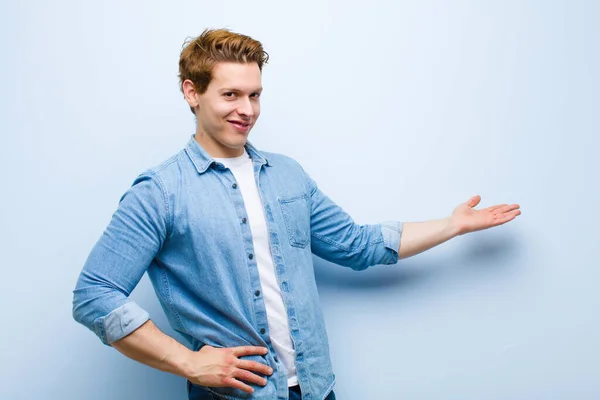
(185, 224)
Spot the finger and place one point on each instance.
(248, 376)
(232, 382)
(493, 208)
(504, 218)
(249, 350)
(473, 201)
(507, 208)
(255, 366)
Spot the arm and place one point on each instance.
(134, 236)
(150, 346)
(214, 367)
(420, 236)
(337, 238)
(117, 262)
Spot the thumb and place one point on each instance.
(473, 201)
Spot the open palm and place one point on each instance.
(466, 219)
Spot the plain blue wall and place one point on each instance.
(399, 110)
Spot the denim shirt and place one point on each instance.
(184, 223)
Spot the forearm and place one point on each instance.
(149, 346)
(420, 236)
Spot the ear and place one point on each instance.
(190, 94)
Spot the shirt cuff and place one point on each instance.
(120, 322)
(392, 233)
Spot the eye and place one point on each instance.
(229, 95)
(255, 95)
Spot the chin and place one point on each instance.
(235, 144)
(237, 141)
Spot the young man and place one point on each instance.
(226, 234)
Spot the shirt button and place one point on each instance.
(251, 256)
(262, 331)
(257, 293)
(244, 220)
(299, 355)
(234, 186)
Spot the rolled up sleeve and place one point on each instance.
(391, 231)
(118, 261)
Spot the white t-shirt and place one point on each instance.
(279, 330)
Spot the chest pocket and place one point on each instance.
(296, 214)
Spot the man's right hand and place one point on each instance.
(210, 366)
(221, 367)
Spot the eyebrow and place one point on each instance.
(260, 89)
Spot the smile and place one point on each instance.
(240, 126)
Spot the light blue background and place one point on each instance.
(399, 110)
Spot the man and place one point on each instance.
(226, 234)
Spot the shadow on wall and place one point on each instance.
(480, 255)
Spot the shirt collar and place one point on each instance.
(202, 160)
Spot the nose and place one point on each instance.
(245, 107)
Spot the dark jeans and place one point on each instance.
(199, 393)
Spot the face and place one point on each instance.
(228, 109)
